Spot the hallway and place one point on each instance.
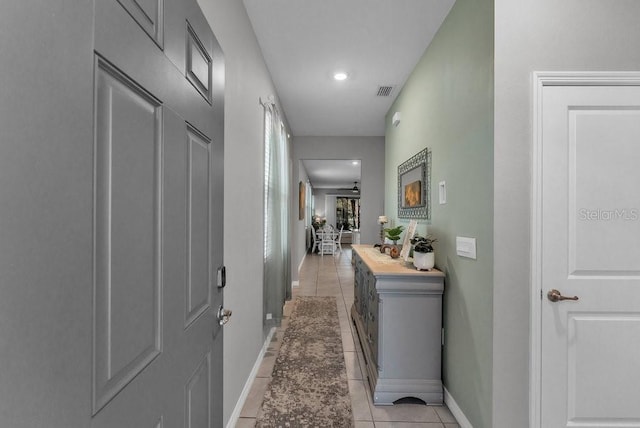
(333, 276)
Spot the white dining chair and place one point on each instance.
(316, 240)
(327, 243)
(338, 239)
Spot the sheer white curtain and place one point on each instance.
(277, 274)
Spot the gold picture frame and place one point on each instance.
(302, 196)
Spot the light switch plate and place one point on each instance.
(442, 192)
(466, 247)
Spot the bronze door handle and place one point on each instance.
(555, 296)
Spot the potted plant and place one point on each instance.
(423, 255)
(393, 234)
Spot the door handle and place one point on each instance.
(555, 296)
(223, 315)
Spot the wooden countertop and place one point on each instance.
(382, 264)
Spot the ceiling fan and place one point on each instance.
(355, 190)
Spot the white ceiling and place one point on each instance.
(332, 174)
(378, 42)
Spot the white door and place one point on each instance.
(589, 147)
(111, 169)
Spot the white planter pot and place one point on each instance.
(424, 261)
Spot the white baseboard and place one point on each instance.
(456, 411)
(235, 415)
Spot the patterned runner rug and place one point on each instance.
(309, 385)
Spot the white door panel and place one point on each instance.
(603, 167)
(599, 355)
(590, 220)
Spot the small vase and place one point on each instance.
(424, 261)
(394, 252)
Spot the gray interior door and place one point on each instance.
(111, 169)
(157, 216)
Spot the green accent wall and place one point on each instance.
(447, 105)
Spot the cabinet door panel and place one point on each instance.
(372, 325)
(357, 285)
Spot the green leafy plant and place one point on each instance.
(422, 244)
(393, 234)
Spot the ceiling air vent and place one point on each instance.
(384, 91)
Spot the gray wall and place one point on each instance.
(536, 35)
(299, 227)
(46, 228)
(370, 150)
(319, 196)
(447, 105)
(247, 79)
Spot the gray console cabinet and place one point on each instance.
(397, 312)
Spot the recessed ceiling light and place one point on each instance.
(340, 75)
(354, 162)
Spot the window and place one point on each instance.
(348, 213)
(276, 215)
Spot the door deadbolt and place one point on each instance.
(222, 277)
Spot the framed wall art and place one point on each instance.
(414, 186)
(302, 204)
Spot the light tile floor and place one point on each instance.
(333, 276)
